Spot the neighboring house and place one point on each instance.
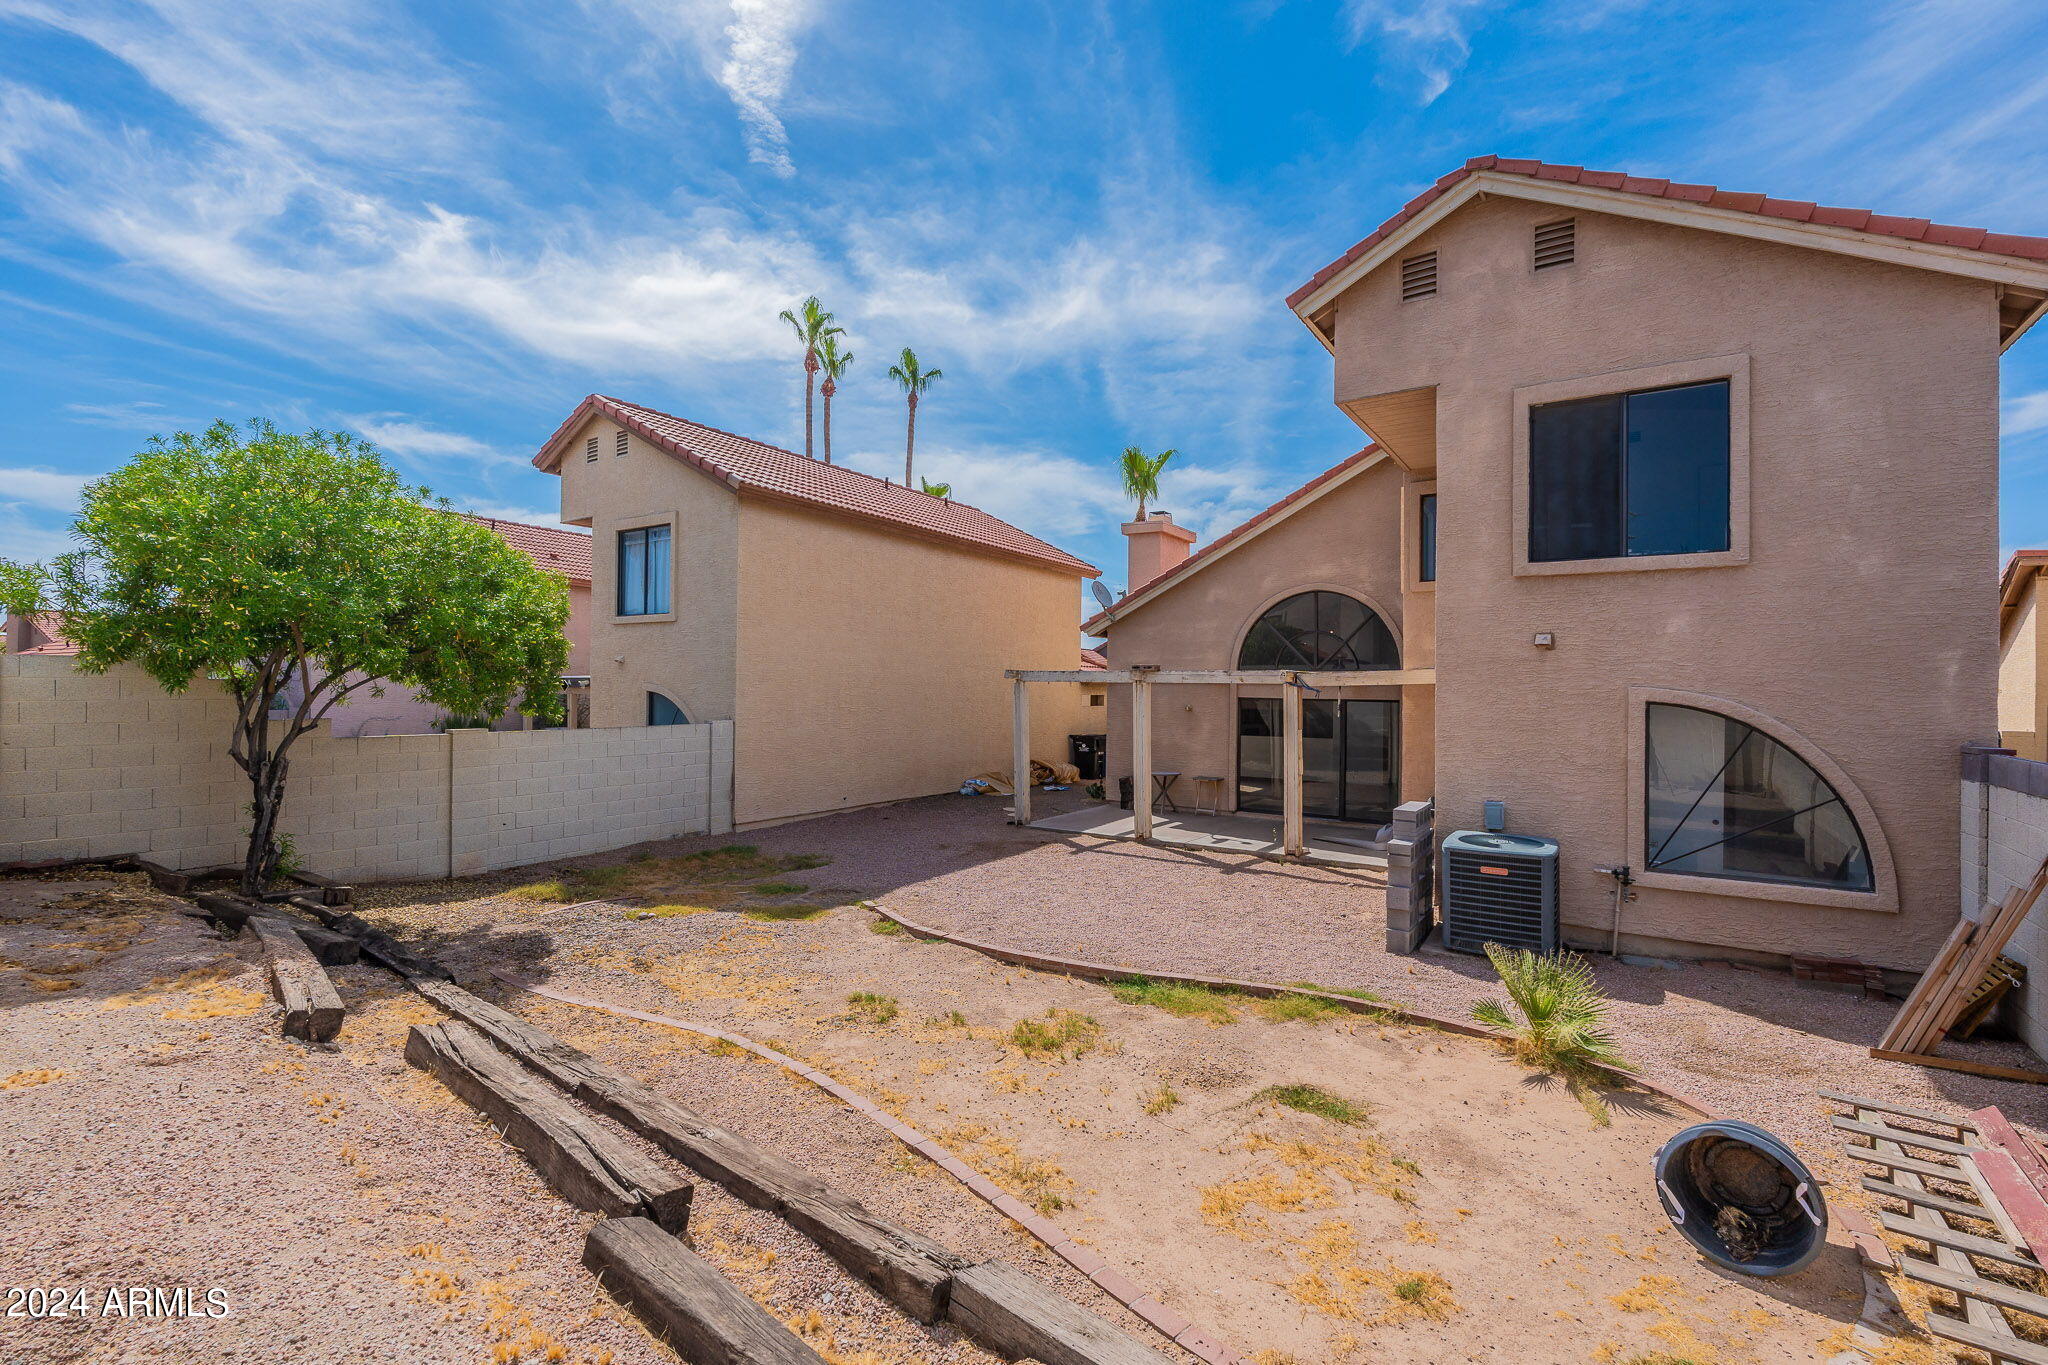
(2022, 657)
(399, 711)
(855, 631)
(1684, 498)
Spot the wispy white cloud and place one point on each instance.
(420, 442)
(39, 486)
(1435, 35)
(2024, 415)
(138, 415)
(27, 535)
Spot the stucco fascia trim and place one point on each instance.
(1733, 368)
(1884, 898)
(1223, 551)
(1899, 251)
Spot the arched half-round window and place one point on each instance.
(1723, 799)
(662, 711)
(1319, 630)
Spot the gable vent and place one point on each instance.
(1418, 276)
(590, 451)
(621, 450)
(1556, 243)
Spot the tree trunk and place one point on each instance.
(830, 388)
(910, 442)
(810, 388)
(266, 800)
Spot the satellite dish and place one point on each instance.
(1103, 597)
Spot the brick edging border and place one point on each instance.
(1178, 1328)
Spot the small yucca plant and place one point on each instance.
(1562, 1023)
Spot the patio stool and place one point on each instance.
(1209, 789)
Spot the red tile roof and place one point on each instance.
(1094, 658)
(752, 467)
(1798, 210)
(50, 626)
(1200, 556)
(551, 547)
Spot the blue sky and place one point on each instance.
(441, 225)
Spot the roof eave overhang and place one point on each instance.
(1952, 260)
(1223, 549)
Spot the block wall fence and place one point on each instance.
(94, 766)
(2005, 837)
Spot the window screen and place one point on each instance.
(644, 571)
(1630, 474)
(1723, 799)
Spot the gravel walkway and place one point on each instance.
(1752, 1045)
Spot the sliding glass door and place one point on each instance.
(1350, 758)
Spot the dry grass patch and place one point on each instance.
(869, 1008)
(1162, 1100)
(1312, 1099)
(22, 1080)
(1061, 1034)
(1305, 1009)
(778, 914)
(1337, 1283)
(1186, 1002)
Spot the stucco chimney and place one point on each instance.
(1156, 546)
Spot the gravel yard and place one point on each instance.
(1319, 1188)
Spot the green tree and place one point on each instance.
(937, 490)
(812, 324)
(915, 380)
(834, 363)
(1141, 475)
(296, 570)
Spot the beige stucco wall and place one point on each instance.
(689, 654)
(96, 766)
(1863, 622)
(870, 663)
(2022, 702)
(1348, 541)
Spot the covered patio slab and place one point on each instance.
(1335, 845)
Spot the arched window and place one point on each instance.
(1319, 630)
(662, 711)
(1723, 799)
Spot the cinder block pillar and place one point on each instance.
(1411, 864)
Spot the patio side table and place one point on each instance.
(1208, 794)
(1162, 787)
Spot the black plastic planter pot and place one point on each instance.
(1742, 1198)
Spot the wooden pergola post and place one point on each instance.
(1141, 755)
(1020, 749)
(1293, 828)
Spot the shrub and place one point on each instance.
(1559, 1019)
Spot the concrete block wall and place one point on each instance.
(2005, 837)
(1411, 866)
(94, 766)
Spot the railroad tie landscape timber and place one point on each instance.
(312, 1008)
(590, 1167)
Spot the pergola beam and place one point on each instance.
(1251, 677)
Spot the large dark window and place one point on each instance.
(1723, 799)
(643, 571)
(662, 711)
(1425, 537)
(1630, 474)
(1350, 758)
(1319, 630)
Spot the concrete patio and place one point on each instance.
(1347, 846)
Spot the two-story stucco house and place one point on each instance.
(853, 630)
(1686, 501)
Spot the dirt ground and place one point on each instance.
(156, 1132)
(1331, 1188)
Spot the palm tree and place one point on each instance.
(937, 490)
(1559, 1021)
(812, 324)
(833, 362)
(1141, 474)
(915, 380)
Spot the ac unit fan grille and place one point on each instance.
(1516, 910)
